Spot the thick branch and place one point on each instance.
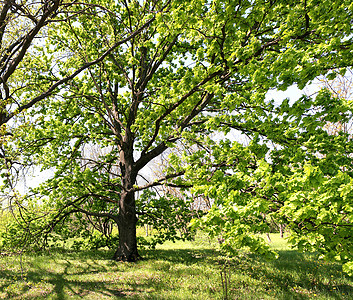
(77, 72)
(3, 17)
(174, 107)
(97, 214)
(28, 40)
(147, 157)
(158, 182)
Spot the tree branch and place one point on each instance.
(175, 106)
(73, 75)
(158, 182)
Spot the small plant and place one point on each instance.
(225, 279)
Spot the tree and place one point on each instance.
(195, 67)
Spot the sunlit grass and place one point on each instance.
(182, 270)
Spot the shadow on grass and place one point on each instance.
(75, 275)
(62, 274)
(56, 285)
(297, 275)
(61, 277)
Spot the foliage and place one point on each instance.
(303, 181)
(169, 215)
(32, 228)
(193, 72)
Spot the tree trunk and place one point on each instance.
(127, 250)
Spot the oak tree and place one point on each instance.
(191, 69)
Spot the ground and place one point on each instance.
(183, 270)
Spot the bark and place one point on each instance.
(127, 250)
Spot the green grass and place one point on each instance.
(184, 270)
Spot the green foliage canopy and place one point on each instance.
(189, 70)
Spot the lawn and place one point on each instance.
(184, 270)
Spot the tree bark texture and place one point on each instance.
(127, 250)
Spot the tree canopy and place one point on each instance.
(136, 79)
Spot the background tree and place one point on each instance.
(341, 87)
(197, 67)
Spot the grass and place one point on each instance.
(184, 270)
